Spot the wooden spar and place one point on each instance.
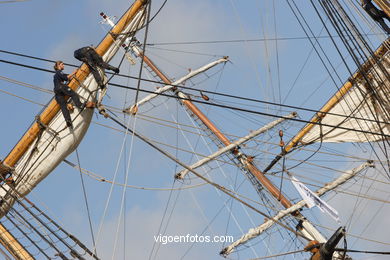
(12, 245)
(235, 144)
(337, 97)
(254, 232)
(332, 102)
(192, 73)
(384, 5)
(53, 108)
(308, 229)
(210, 125)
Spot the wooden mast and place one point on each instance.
(307, 228)
(12, 245)
(211, 126)
(53, 108)
(9, 242)
(384, 5)
(332, 102)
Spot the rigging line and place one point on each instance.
(318, 43)
(194, 132)
(300, 71)
(352, 235)
(362, 251)
(263, 113)
(25, 99)
(12, 1)
(6, 257)
(188, 52)
(281, 254)
(167, 205)
(317, 165)
(143, 52)
(327, 7)
(102, 179)
(60, 228)
(231, 204)
(123, 199)
(197, 90)
(169, 218)
(9, 218)
(375, 215)
(161, 223)
(224, 174)
(219, 187)
(114, 179)
(247, 53)
(15, 196)
(204, 229)
(26, 85)
(86, 204)
(350, 48)
(364, 214)
(251, 40)
(277, 52)
(47, 225)
(356, 204)
(337, 153)
(314, 153)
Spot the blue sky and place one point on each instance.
(53, 29)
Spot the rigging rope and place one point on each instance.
(86, 203)
(221, 188)
(204, 91)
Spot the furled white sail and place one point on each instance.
(362, 114)
(55, 141)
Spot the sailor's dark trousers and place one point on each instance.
(60, 94)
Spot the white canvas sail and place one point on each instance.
(361, 115)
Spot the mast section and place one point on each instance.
(221, 137)
(12, 245)
(384, 5)
(53, 108)
(332, 102)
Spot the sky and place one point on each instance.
(184, 35)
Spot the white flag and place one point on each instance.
(312, 199)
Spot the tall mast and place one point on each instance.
(307, 228)
(213, 128)
(332, 102)
(12, 245)
(7, 166)
(384, 5)
(53, 108)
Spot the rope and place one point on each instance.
(143, 53)
(86, 204)
(221, 188)
(281, 254)
(197, 90)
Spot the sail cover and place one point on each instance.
(361, 114)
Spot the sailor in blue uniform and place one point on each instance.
(376, 14)
(61, 90)
(93, 60)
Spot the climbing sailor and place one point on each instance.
(93, 60)
(376, 14)
(61, 91)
